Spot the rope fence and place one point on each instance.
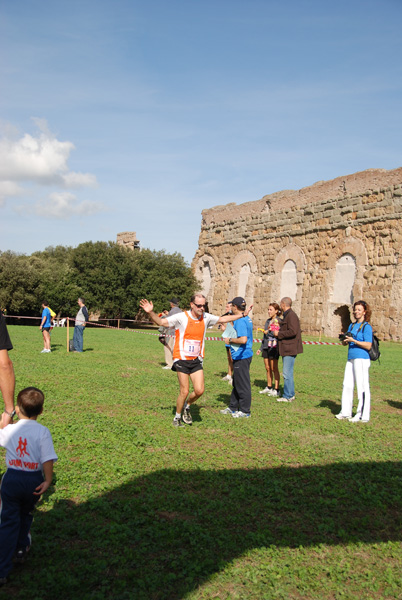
(147, 323)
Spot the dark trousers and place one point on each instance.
(17, 504)
(241, 392)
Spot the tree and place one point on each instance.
(111, 278)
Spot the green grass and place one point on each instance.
(290, 504)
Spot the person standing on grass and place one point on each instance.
(188, 353)
(45, 327)
(290, 345)
(359, 338)
(241, 348)
(270, 350)
(7, 376)
(29, 458)
(80, 321)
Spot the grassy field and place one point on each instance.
(290, 504)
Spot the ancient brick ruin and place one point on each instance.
(128, 239)
(325, 246)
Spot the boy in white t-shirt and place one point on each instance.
(29, 458)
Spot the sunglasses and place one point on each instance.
(199, 305)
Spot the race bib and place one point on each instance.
(192, 347)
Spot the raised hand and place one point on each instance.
(146, 305)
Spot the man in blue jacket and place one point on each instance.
(241, 348)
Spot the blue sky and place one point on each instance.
(120, 115)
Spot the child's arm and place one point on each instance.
(48, 473)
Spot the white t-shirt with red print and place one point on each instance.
(28, 445)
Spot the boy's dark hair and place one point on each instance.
(45, 303)
(30, 401)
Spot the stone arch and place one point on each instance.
(244, 269)
(348, 256)
(283, 267)
(205, 272)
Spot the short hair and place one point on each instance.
(197, 295)
(367, 309)
(30, 401)
(45, 303)
(287, 301)
(81, 300)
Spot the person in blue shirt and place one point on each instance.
(359, 338)
(241, 348)
(45, 327)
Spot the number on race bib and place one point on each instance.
(192, 347)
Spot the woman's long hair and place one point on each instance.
(366, 307)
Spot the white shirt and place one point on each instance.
(28, 445)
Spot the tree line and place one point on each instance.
(111, 278)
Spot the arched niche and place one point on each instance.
(205, 272)
(244, 270)
(344, 281)
(289, 280)
(345, 275)
(289, 269)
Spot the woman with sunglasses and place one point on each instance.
(359, 338)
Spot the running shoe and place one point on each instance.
(187, 416)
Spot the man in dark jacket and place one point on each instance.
(290, 345)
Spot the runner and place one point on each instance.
(188, 353)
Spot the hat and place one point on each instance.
(238, 301)
(174, 301)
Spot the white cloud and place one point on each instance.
(9, 189)
(61, 205)
(77, 180)
(39, 159)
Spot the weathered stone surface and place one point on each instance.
(128, 239)
(345, 233)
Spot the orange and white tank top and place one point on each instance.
(190, 334)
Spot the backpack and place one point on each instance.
(374, 351)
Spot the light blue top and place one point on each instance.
(243, 326)
(362, 332)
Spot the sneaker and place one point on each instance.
(241, 415)
(166, 367)
(282, 399)
(226, 378)
(273, 393)
(357, 419)
(21, 554)
(227, 411)
(340, 416)
(265, 391)
(230, 381)
(187, 416)
(178, 422)
(44, 351)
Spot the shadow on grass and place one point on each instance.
(334, 407)
(162, 535)
(395, 404)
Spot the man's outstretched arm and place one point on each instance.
(148, 307)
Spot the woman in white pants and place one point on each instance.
(358, 337)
